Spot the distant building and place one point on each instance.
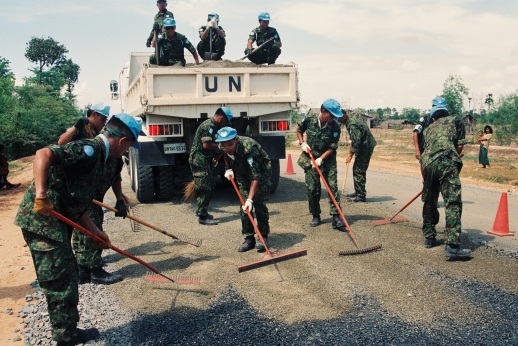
(397, 124)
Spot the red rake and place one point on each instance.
(399, 219)
(273, 256)
(114, 248)
(347, 252)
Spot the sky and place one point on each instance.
(369, 54)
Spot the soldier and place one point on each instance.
(89, 256)
(4, 171)
(162, 14)
(253, 172)
(212, 39)
(65, 179)
(271, 50)
(171, 46)
(322, 134)
(362, 145)
(444, 139)
(203, 151)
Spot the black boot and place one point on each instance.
(337, 222)
(315, 222)
(206, 220)
(259, 246)
(82, 336)
(431, 242)
(455, 253)
(247, 245)
(84, 275)
(102, 277)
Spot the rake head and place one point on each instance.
(384, 222)
(193, 241)
(271, 260)
(187, 280)
(359, 251)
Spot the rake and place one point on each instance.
(347, 252)
(399, 219)
(191, 241)
(271, 256)
(122, 252)
(345, 177)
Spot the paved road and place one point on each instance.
(393, 191)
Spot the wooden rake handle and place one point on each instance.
(345, 176)
(194, 242)
(406, 205)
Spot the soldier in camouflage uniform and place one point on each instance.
(162, 14)
(212, 39)
(203, 151)
(270, 51)
(250, 165)
(322, 135)
(65, 180)
(362, 145)
(444, 140)
(89, 256)
(171, 45)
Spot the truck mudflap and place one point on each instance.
(275, 147)
(154, 153)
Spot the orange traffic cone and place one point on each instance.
(289, 166)
(501, 225)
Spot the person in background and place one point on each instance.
(4, 171)
(484, 140)
(212, 39)
(162, 14)
(271, 50)
(171, 45)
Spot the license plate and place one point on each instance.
(175, 148)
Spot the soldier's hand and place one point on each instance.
(318, 161)
(122, 210)
(305, 147)
(229, 173)
(249, 204)
(43, 205)
(105, 244)
(81, 123)
(148, 42)
(248, 51)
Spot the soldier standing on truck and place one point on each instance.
(212, 39)
(322, 135)
(203, 151)
(162, 14)
(271, 50)
(89, 256)
(171, 45)
(65, 180)
(253, 171)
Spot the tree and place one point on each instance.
(70, 72)
(454, 91)
(489, 102)
(505, 115)
(411, 114)
(45, 52)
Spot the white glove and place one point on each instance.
(209, 25)
(318, 161)
(214, 23)
(229, 173)
(304, 146)
(249, 204)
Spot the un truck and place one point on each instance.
(174, 101)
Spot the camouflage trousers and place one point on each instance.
(260, 211)
(265, 55)
(314, 187)
(204, 184)
(442, 176)
(204, 47)
(167, 62)
(87, 254)
(361, 164)
(56, 270)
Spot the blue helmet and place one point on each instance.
(333, 106)
(227, 112)
(264, 16)
(212, 15)
(169, 22)
(101, 109)
(225, 134)
(438, 112)
(439, 101)
(133, 124)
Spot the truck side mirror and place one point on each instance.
(114, 88)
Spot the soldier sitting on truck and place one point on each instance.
(171, 45)
(162, 14)
(264, 34)
(212, 39)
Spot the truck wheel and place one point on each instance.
(276, 173)
(165, 178)
(144, 182)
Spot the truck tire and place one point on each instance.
(276, 173)
(144, 182)
(165, 179)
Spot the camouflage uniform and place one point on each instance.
(362, 145)
(159, 19)
(201, 165)
(270, 51)
(252, 163)
(72, 182)
(441, 168)
(171, 51)
(218, 43)
(320, 140)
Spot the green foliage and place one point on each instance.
(45, 52)
(505, 116)
(411, 114)
(70, 72)
(454, 91)
(295, 116)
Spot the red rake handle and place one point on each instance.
(98, 239)
(406, 205)
(256, 229)
(333, 199)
